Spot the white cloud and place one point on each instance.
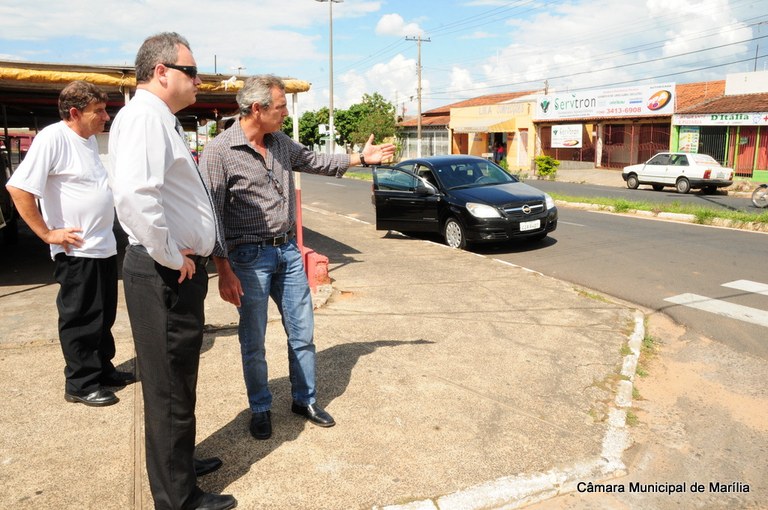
(394, 24)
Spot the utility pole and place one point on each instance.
(418, 94)
(332, 129)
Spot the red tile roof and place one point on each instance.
(742, 103)
(692, 94)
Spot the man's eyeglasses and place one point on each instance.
(278, 186)
(190, 71)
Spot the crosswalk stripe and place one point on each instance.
(724, 308)
(748, 286)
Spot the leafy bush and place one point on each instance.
(546, 166)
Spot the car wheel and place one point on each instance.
(454, 234)
(682, 185)
(658, 187)
(632, 181)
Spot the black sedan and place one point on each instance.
(466, 199)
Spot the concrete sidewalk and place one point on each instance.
(456, 381)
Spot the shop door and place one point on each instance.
(743, 146)
(712, 141)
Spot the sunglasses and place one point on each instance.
(190, 71)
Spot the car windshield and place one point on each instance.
(469, 174)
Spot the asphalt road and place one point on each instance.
(663, 266)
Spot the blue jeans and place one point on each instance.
(277, 272)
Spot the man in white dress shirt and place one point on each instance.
(64, 171)
(164, 207)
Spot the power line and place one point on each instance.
(622, 66)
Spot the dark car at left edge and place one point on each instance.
(465, 199)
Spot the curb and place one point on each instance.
(679, 217)
(524, 489)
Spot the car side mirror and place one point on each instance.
(425, 189)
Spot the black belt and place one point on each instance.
(277, 240)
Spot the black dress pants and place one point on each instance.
(167, 321)
(87, 305)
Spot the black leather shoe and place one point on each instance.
(216, 502)
(98, 398)
(261, 425)
(205, 466)
(118, 379)
(314, 413)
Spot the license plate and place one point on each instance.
(529, 225)
(720, 175)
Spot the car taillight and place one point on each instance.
(707, 173)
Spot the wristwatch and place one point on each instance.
(362, 158)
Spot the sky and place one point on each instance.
(468, 48)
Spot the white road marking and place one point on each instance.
(569, 223)
(724, 308)
(748, 286)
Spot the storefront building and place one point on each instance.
(436, 136)
(604, 127)
(500, 132)
(733, 128)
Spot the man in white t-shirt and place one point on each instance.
(63, 170)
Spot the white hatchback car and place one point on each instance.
(682, 170)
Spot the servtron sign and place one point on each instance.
(634, 101)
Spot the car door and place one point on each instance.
(403, 201)
(678, 166)
(655, 170)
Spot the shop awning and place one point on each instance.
(482, 125)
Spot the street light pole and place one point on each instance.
(332, 133)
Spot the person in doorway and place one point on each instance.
(500, 153)
(249, 168)
(63, 171)
(164, 207)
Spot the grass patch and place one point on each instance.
(703, 215)
(632, 419)
(592, 295)
(622, 206)
(355, 174)
(648, 350)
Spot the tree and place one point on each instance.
(353, 126)
(374, 115)
(288, 126)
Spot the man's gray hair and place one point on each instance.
(157, 49)
(258, 89)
